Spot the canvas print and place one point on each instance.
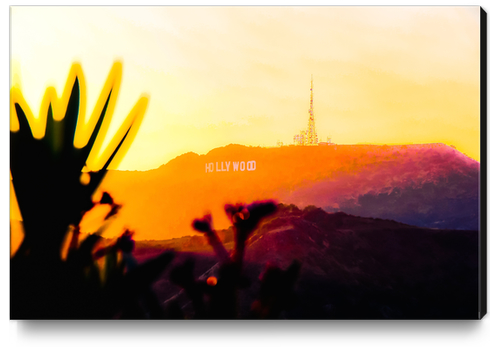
(247, 162)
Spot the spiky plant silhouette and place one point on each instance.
(46, 172)
(217, 297)
(54, 192)
(53, 195)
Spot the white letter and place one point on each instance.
(209, 167)
(222, 168)
(227, 166)
(251, 165)
(242, 166)
(235, 166)
(217, 167)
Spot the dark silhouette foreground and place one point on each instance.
(99, 281)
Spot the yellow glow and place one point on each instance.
(220, 75)
(16, 235)
(134, 120)
(111, 86)
(85, 128)
(84, 178)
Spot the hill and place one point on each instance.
(352, 267)
(424, 185)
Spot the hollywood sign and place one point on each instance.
(227, 166)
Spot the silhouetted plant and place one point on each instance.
(217, 297)
(245, 219)
(205, 225)
(276, 291)
(53, 194)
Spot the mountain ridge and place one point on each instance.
(430, 185)
(351, 267)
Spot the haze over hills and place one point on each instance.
(430, 185)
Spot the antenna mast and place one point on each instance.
(312, 138)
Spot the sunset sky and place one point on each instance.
(221, 75)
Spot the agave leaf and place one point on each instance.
(46, 172)
(69, 122)
(54, 134)
(85, 151)
(106, 165)
(97, 176)
(24, 127)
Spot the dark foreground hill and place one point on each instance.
(352, 267)
(424, 185)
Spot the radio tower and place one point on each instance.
(311, 136)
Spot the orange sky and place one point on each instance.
(220, 75)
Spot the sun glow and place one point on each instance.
(221, 75)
